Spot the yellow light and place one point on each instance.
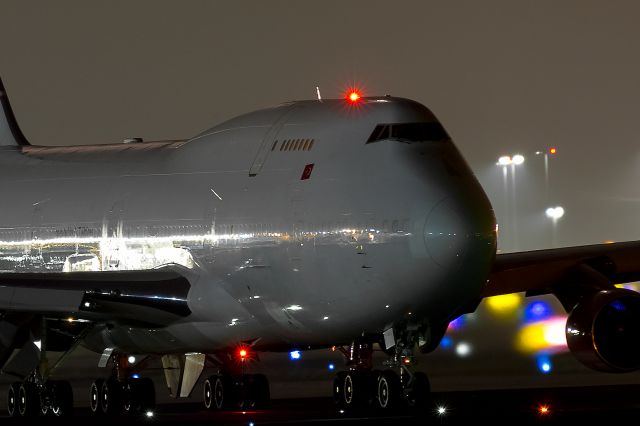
(70, 319)
(544, 335)
(504, 304)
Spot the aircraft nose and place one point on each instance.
(453, 231)
(446, 234)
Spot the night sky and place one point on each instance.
(504, 77)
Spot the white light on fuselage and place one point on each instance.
(293, 308)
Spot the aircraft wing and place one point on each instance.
(151, 297)
(550, 271)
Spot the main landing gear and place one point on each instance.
(122, 392)
(38, 394)
(362, 386)
(232, 388)
(31, 399)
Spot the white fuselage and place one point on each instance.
(378, 232)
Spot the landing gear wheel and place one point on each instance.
(61, 398)
(111, 401)
(12, 399)
(28, 400)
(355, 389)
(338, 389)
(95, 396)
(217, 392)
(420, 392)
(138, 396)
(388, 390)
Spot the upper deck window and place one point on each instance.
(409, 132)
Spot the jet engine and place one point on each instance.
(603, 331)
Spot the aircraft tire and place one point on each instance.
(388, 390)
(95, 396)
(12, 399)
(28, 400)
(111, 401)
(61, 398)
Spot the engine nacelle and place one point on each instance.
(603, 331)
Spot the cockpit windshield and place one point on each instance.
(409, 132)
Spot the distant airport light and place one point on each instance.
(505, 160)
(544, 363)
(537, 311)
(544, 409)
(547, 335)
(457, 323)
(504, 304)
(354, 96)
(295, 355)
(446, 342)
(554, 213)
(518, 159)
(243, 354)
(463, 349)
(552, 151)
(149, 414)
(442, 410)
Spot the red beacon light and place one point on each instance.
(242, 353)
(353, 95)
(552, 151)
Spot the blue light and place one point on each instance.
(135, 376)
(446, 342)
(618, 306)
(332, 367)
(537, 311)
(294, 355)
(544, 364)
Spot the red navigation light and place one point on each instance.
(552, 151)
(242, 353)
(353, 94)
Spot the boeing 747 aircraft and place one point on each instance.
(353, 223)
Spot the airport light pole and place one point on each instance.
(513, 161)
(550, 151)
(554, 213)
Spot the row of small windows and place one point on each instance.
(294, 145)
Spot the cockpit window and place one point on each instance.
(409, 132)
